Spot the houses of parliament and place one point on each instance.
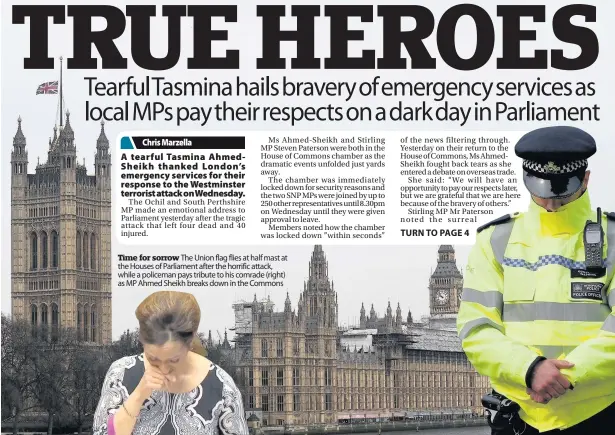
(61, 236)
(300, 367)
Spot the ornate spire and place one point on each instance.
(67, 132)
(102, 141)
(389, 310)
(19, 138)
(225, 343)
(362, 319)
(287, 306)
(318, 280)
(398, 319)
(409, 318)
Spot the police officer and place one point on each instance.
(537, 314)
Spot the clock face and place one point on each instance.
(441, 297)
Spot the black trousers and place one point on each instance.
(599, 424)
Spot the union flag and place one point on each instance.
(47, 88)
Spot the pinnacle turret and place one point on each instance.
(19, 138)
(362, 319)
(102, 158)
(102, 142)
(68, 132)
(19, 155)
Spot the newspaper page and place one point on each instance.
(291, 191)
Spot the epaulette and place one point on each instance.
(498, 221)
(610, 215)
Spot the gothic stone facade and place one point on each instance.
(300, 368)
(61, 237)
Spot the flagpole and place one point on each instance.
(61, 113)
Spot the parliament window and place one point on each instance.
(85, 252)
(295, 346)
(280, 377)
(45, 250)
(78, 246)
(34, 251)
(280, 348)
(34, 315)
(44, 315)
(93, 323)
(265, 377)
(55, 322)
(92, 252)
(54, 249)
(85, 323)
(265, 403)
(280, 402)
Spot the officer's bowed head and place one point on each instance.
(555, 161)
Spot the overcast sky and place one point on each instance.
(369, 274)
(366, 274)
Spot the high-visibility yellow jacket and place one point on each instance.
(524, 297)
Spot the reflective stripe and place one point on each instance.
(554, 352)
(489, 299)
(499, 239)
(610, 246)
(468, 327)
(609, 324)
(566, 312)
(545, 260)
(553, 333)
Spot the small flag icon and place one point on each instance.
(48, 88)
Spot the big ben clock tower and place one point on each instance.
(445, 288)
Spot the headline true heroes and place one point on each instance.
(308, 20)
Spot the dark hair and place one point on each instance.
(170, 316)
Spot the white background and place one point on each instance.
(363, 273)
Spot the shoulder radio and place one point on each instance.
(593, 240)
